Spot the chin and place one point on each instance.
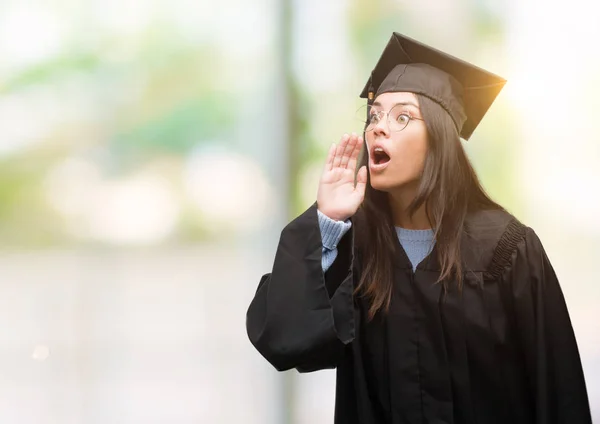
(382, 183)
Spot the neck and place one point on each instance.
(399, 202)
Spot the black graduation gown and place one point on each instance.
(501, 350)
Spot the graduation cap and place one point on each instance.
(464, 90)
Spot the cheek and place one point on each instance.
(411, 153)
(369, 138)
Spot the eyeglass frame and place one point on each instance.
(387, 113)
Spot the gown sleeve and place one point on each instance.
(301, 317)
(551, 355)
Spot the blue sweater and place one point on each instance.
(416, 243)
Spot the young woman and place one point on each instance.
(434, 304)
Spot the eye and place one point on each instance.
(403, 118)
(374, 117)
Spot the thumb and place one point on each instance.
(361, 180)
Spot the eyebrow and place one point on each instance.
(399, 104)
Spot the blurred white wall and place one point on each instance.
(129, 337)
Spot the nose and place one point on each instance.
(382, 127)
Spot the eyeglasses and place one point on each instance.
(397, 117)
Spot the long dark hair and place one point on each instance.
(449, 189)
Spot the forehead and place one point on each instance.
(390, 99)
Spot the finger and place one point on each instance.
(355, 153)
(361, 181)
(340, 150)
(330, 156)
(348, 151)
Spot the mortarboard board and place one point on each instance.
(464, 90)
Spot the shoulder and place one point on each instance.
(490, 238)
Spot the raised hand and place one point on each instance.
(338, 197)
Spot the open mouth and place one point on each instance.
(380, 157)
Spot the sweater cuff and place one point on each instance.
(332, 231)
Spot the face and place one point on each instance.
(396, 158)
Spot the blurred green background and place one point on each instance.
(112, 116)
(151, 152)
